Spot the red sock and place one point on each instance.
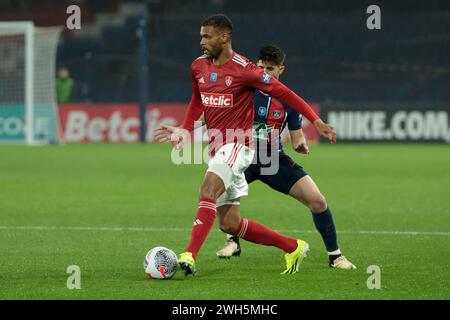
(203, 223)
(254, 232)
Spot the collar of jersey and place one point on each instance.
(229, 59)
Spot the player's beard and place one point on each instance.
(215, 52)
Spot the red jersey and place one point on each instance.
(225, 94)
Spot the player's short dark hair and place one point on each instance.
(272, 53)
(219, 21)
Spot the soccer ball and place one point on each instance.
(160, 263)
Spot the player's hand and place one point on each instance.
(325, 130)
(176, 136)
(301, 146)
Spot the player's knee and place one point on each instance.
(318, 203)
(230, 228)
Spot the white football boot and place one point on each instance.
(342, 263)
(230, 249)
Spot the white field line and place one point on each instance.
(152, 229)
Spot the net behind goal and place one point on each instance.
(28, 108)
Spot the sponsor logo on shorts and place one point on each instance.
(217, 100)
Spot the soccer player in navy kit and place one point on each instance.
(271, 117)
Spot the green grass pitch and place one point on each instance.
(102, 207)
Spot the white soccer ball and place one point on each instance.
(160, 263)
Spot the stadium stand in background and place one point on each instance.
(332, 55)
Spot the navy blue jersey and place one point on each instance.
(271, 117)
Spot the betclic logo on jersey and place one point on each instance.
(217, 100)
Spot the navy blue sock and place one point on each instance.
(325, 225)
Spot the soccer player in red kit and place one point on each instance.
(223, 85)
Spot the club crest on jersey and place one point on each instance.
(261, 112)
(228, 80)
(213, 77)
(266, 78)
(276, 114)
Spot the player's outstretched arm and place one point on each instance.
(325, 130)
(257, 79)
(285, 94)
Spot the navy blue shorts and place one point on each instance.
(288, 174)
